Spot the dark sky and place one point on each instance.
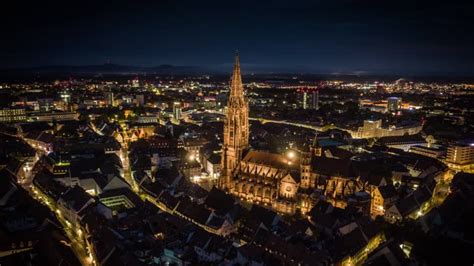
(331, 36)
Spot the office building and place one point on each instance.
(140, 99)
(460, 153)
(12, 114)
(309, 99)
(315, 100)
(393, 104)
(176, 111)
(109, 99)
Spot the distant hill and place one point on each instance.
(254, 72)
(106, 69)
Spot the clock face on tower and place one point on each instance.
(288, 189)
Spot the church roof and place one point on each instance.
(330, 166)
(339, 153)
(269, 159)
(387, 191)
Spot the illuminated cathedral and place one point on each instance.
(283, 182)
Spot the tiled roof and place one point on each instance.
(401, 139)
(340, 153)
(218, 200)
(330, 166)
(269, 159)
(387, 191)
(76, 198)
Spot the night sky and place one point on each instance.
(331, 36)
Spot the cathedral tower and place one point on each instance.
(236, 128)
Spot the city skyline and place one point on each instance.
(264, 133)
(185, 170)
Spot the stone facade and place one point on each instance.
(268, 179)
(374, 129)
(236, 128)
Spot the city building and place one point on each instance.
(10, 115)
(382, 198)
(45, 104)
(140, 99)
(404, 142)
(412, 206)
(109, 99)
(393, 104)
(305, 100)
(460, 156)
(135, 83)
(66, 99)
(315, 100)
(147, 119)
(127, 99)
(193, 146)
(211, 163)
(374, 129)
(309, 98)
(176, 111)
(460, 153)
(428, 151)
(53, 116)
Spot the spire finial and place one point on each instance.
(237, 59)
(236, 80)
(315, 140)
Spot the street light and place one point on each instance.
(291, 154)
